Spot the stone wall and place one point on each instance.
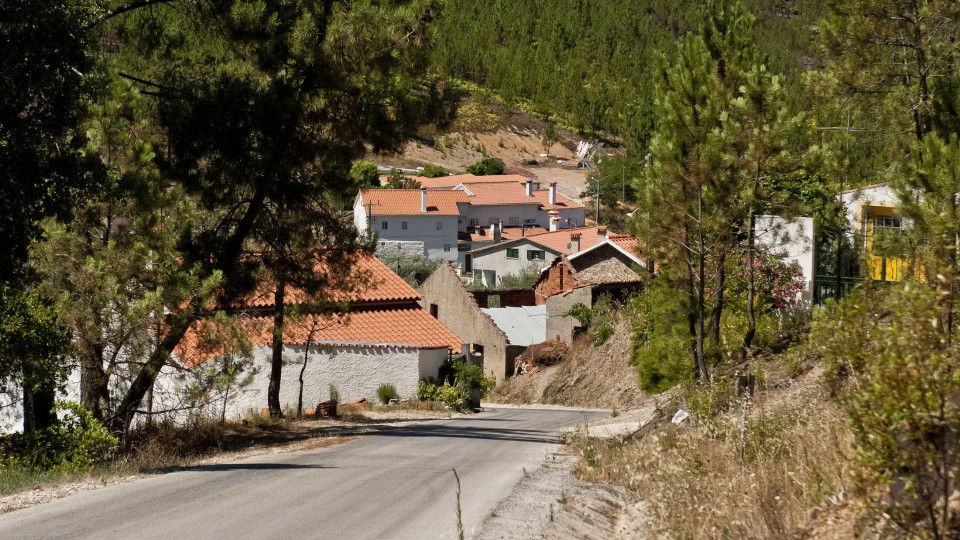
(458, 311)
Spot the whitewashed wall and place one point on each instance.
(496, 261)
(796, 237)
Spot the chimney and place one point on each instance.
(529, 187)
(423, 200)
(553, 193)
(601, 234)
(554, 220)
(497, 232)
(574, 243)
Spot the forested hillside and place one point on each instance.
(592, 63)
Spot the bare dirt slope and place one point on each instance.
(588, 377)
(512, 136)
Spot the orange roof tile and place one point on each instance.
(499, 193)
(560, 240)
(401, 202)
(482, 234)
(370, 280)
(398, 328)
(627, 242)
(457, 179)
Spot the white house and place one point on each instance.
(428, 220)
(493, 261)
(412, 220)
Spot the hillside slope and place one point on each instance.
(589, 376)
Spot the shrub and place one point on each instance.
(902, 361)
(386, 392)
(470, 377)
(486, 166)
(431, 391)
(661, 338)
(433, 171)
(76, 443)
(334, 393)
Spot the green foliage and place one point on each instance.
(334, 393)
(433, 171)
(592, 63)
(47, 70)
(581, 313)
(386, 392)
(660, 344)
(445, 393)
(365, 175)
(885, 352)
(33, 347)
(486, 166)
(75, 444)
(477, 116)
(414, 269)
(396, 180)
(599, 320)
(469, 376)
(521, 280)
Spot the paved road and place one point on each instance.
(394, 484)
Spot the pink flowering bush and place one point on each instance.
(777, 285)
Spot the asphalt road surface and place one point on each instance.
(397, 483)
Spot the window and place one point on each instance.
(888, 222)
(514, 221)
(383, 225)
(463, 248)
(439, 225)
(446, 247)
(474, 222)
(403, 225)
(513, 253)
(536, 255)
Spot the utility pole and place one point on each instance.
(599, 181)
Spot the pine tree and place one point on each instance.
(262, 109)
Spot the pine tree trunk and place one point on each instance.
(703, 373)
(720, 284)
(751, 316)
(94, 389)
(38, 403)
(276, 365)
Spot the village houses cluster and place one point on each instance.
(480, 229)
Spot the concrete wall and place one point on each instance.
(420, 228)
(495, 260)
(855, 203)
(508, 298)
(796, 237)
(559, 277)
(356, 372)
(524, 213)
(459, 312)
(559, 324)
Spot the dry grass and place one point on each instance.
(796, 448)
(587, 377)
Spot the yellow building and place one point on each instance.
(872, 215)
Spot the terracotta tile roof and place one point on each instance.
(500, 193)
(482, 234)
(457, 179)
(398, 328)
(404, 202)
(371, 280)
(560, 240)
(627, 242)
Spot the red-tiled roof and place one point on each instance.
(457, 179)
(397, 328)
(369, 278)
(560, 240)
(401, 202)
(627, 242)
(482, 234)
(500, 193)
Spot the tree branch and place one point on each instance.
(132, 6)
